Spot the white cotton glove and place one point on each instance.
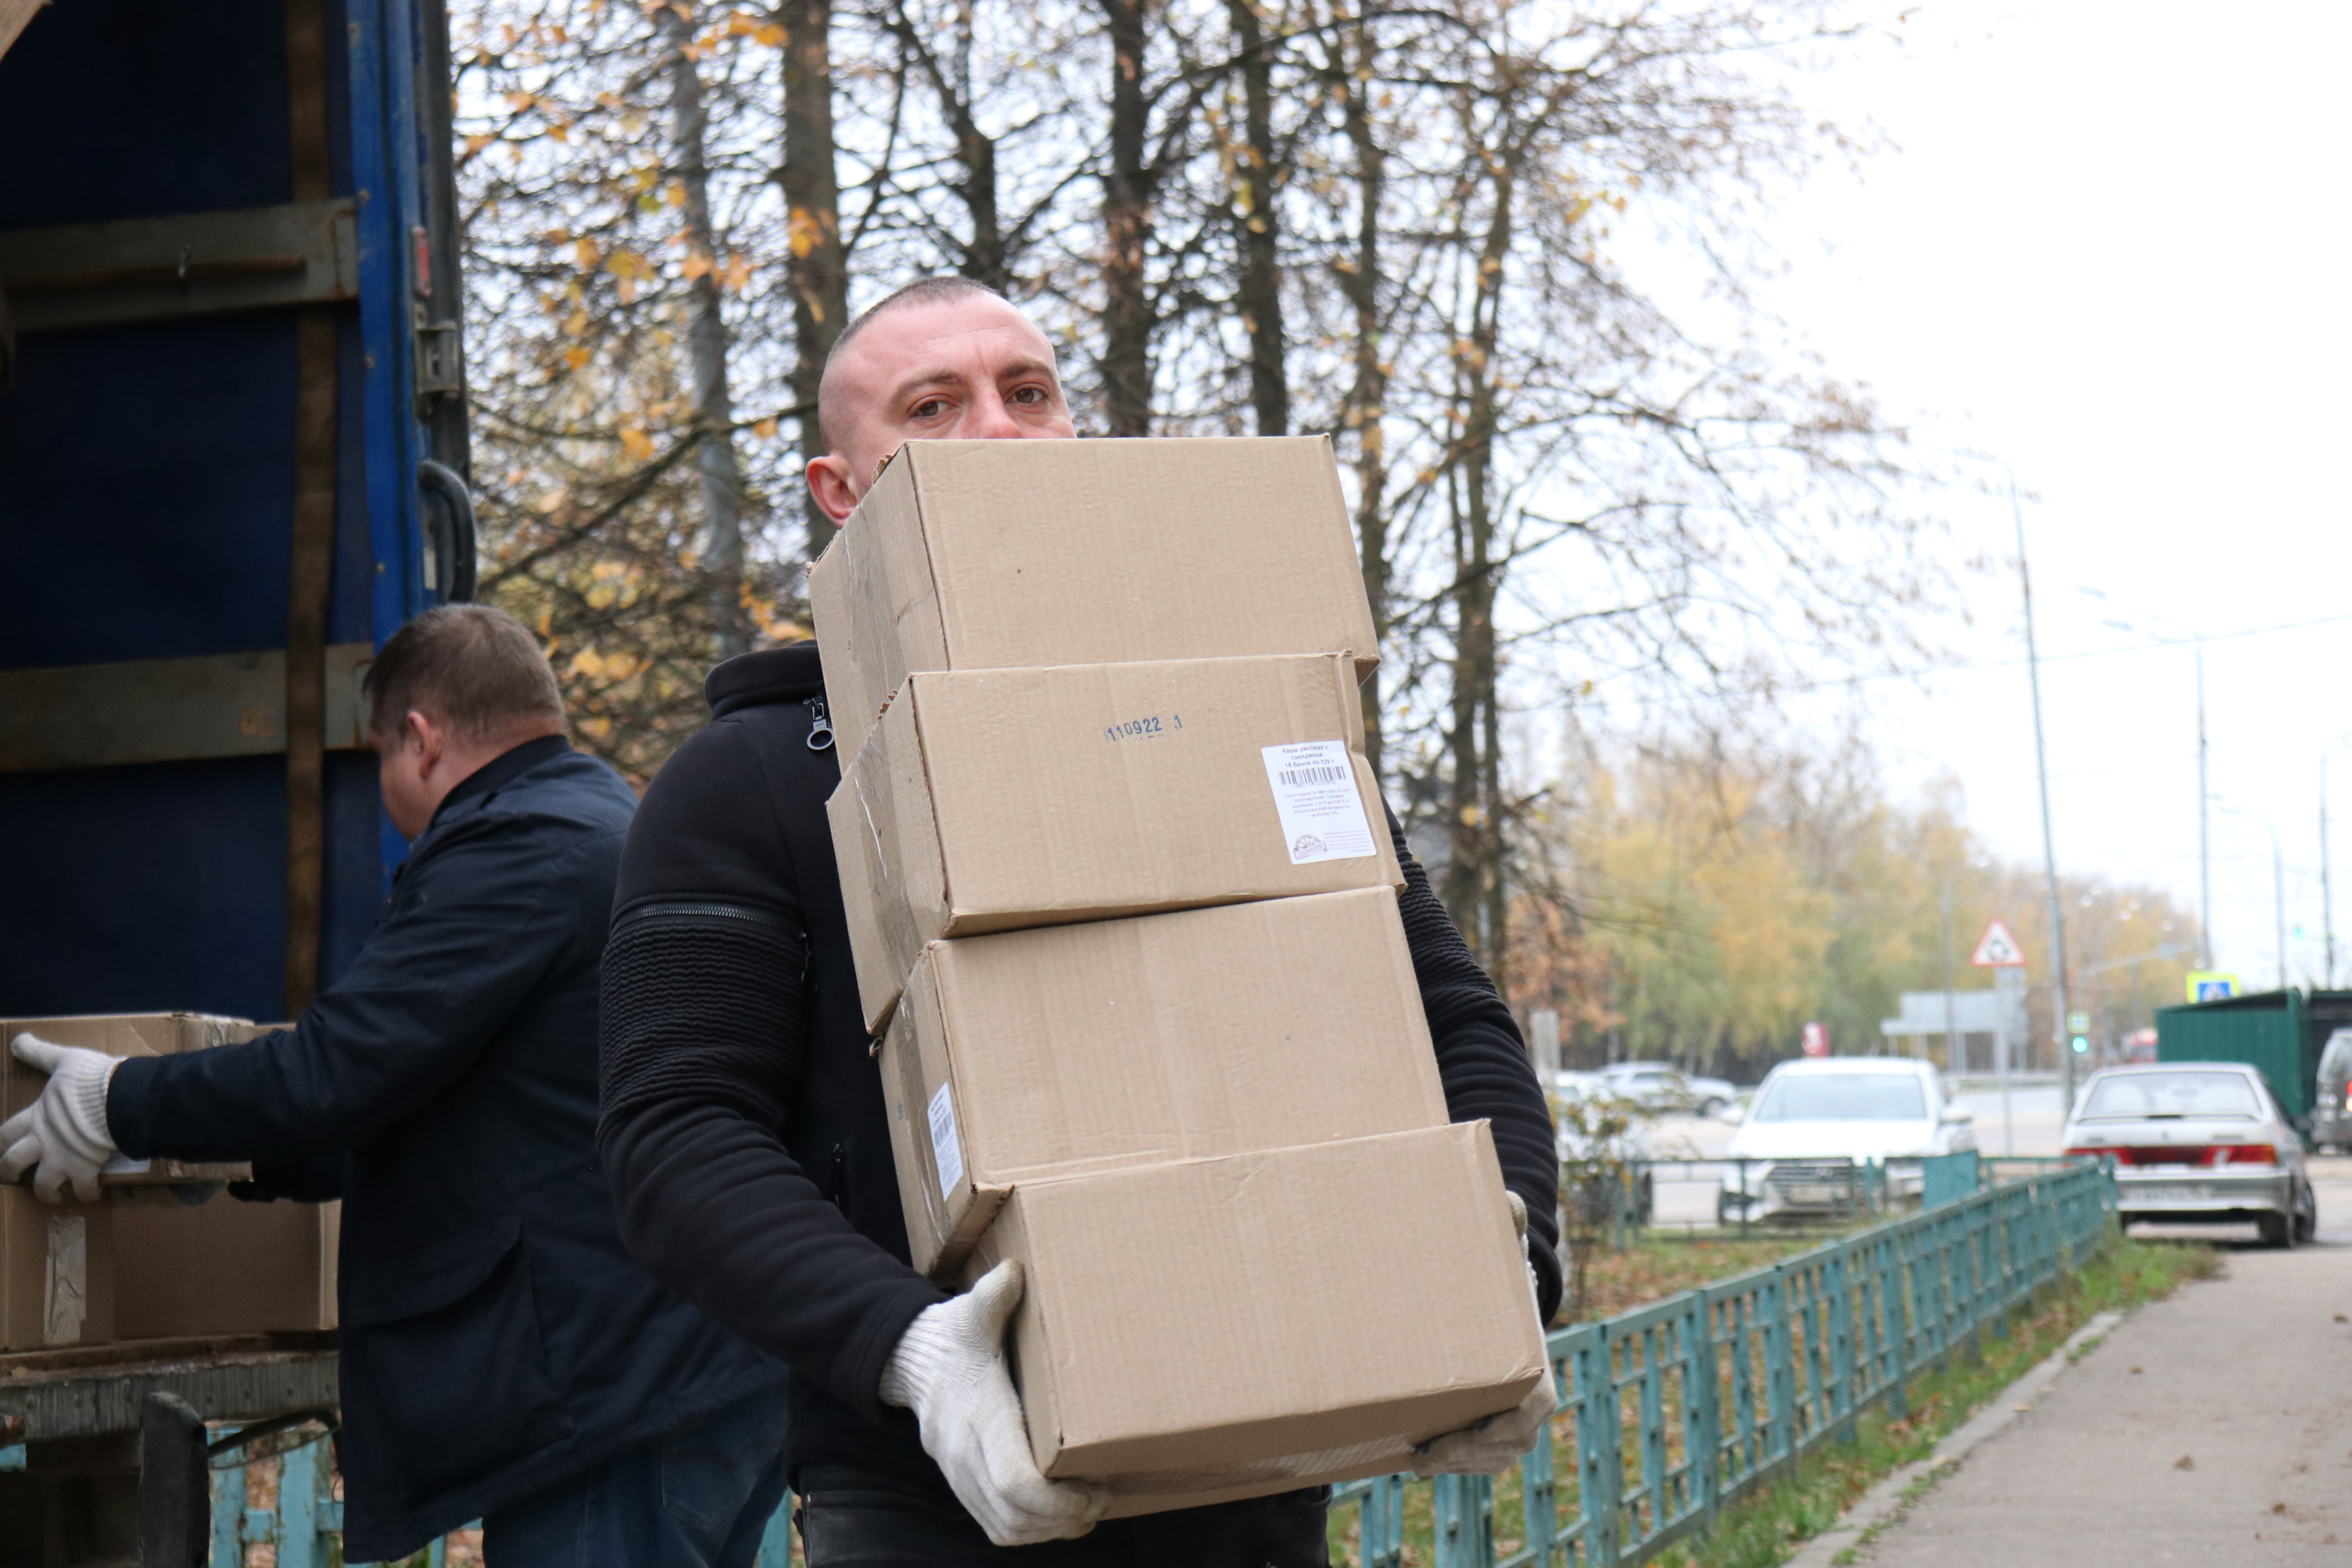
(1491, 1446)
(949, 1368)
(61, 1137)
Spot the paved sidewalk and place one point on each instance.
(2214, 1429)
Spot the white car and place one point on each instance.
(2196, 1141)
(1812, 1117)
(1662, 1086)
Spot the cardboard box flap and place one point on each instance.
(1178, 1036)
(1004, 799)
(1304, 1341)
(1163, 1038)
(988, 554)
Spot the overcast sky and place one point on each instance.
(2108, 246)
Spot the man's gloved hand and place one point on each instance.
(61, 1137)
(949, 1368)
(1492, 1445)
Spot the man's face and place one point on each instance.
(968, 369)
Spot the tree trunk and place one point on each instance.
(817, 271)
(1475, 890)
(1257, 224)
(1126, 229)
(706, 347)
(1366, 408)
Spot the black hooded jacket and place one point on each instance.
(496, 1339)
(744, 1125)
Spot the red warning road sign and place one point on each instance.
(1996, 949)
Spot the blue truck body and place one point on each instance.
(185, 186)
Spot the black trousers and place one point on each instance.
(852, 1519)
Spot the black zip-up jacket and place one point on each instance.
(744, 1122)
(496, 1336)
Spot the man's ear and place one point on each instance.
(423, 734)
(828, 483)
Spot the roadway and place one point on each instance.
(2036, 1126)
(2208, 1429)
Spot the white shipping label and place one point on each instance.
(1315, 794)
(946, 1152)
(64, 1281)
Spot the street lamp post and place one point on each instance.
(2049, 850)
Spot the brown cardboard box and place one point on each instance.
(57, 1272)
(1140, 1041)
(126, 1035)
(997, 554)
(998, 799)
(222, 1268)
(1266, 1320)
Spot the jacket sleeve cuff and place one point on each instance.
(128, 1095)
(862, 1369)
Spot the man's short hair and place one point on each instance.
(921, 291)
(473, 669)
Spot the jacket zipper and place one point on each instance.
(820, 735)
(841, 1177)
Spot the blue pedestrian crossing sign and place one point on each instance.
(2212, 985)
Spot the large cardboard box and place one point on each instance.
(223, 1266)
(57, 1272)
(998, 799)
(997, 554)
(1265, 1321)
(1137, 1042)
(126, 1035)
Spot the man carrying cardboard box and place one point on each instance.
(745, 1124)
(502, 1357)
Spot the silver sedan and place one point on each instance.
(2196, 1143)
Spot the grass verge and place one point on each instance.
(1766, 1527)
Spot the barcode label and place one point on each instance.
(947, 1154)
(1314, 795)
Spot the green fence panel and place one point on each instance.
(1683, 1406)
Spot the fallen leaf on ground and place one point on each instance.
(2184, 1463)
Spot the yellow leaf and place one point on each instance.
(587, 662)
(696, 264)
(739, 273)
(476, 144)
(770, 35)
(764, 429)
(638, 445)
(575, 357)
(585, 253)
(518, 102)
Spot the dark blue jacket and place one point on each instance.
(496, 1336)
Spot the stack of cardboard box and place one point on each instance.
(1122, 898)
(142, 1263)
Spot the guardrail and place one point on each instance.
(1680, 1407)
(305, 1529)
(1683, 1406)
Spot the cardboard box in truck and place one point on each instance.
(1259, 1322)
(1007, 555)
(1138, 1042)
(223, 1266)
(127, 1035)
(57, 1272)
(998, 799)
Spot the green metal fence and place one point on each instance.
(1681, 1407)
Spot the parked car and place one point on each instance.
(2331, 1119)
(1584, 1102)
(1661, 1086)
(1814, 1119)
(2196, 1143)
